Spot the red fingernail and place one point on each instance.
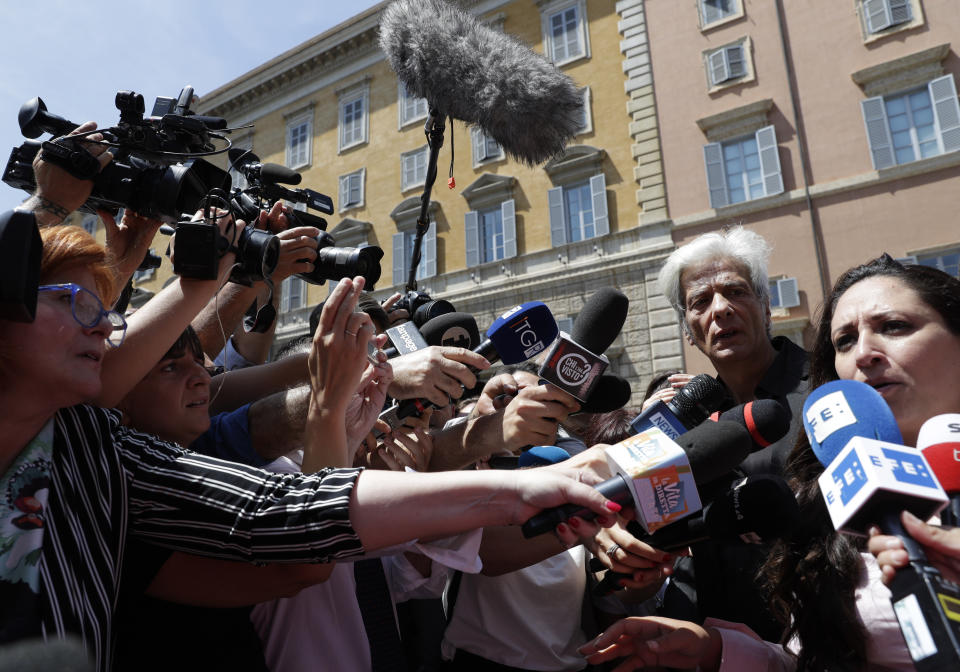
(623, 582)
(562, 529)
(574, 523)
(603, 521)
(613, 506)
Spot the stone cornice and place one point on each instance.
(337, 46)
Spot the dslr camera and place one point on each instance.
(265, 187)
(422, 308)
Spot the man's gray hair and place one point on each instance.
(737, 244)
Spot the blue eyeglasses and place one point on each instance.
(88, 310)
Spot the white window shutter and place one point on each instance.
(558, 222)
(598, 194)
(718, 67)
(285, 295)
(429, 252)
(710, 12)
(716, 175)
(878, 132)
(735, 59)
(508, 216)
(399, 255)
(471, 227)
(789, 292)
(946, 109)
(900, 12)
(876, 14)
(478, 144)
(769, 161)
(344, 191)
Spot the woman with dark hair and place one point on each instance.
(896, 328)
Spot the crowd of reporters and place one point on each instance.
(234, 513)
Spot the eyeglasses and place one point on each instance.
(88, 310)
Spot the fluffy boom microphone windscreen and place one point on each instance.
(483, 77)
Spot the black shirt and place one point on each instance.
(720, 580)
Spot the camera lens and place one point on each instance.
(335, 263)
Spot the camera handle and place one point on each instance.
(66, 153)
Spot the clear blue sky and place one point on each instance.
(76, 55)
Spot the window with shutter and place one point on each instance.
(878, 15)
(351, 189)
(414, 168)
(712, 11)
(485, 148)
(743, 169)
(299, 134)
(913, 125)
(565, 29)
(353, 118)
(726, 64)
(411, 107)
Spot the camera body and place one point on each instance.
(155, 170)
(422, 308)
(265, 188)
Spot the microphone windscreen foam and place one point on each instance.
(482, 76)
(939, 439)
(839, 410)
(767, 420)
(694, 402)
(763, 504)
(276, 174)
(600, 320)
(452, 329)
(611, 392)
(521, 333)
(714, 448)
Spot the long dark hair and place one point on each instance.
(812, 574)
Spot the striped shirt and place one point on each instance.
(109, 481)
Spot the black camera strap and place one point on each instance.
(69, 155)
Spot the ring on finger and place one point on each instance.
(613, 548)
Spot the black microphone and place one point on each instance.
(610, 393)
(692, 404)
(471, 72)
(711, 450)
(755, 509)
(600, 320)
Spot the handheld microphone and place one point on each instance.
(514, 337)
(756, 509)
(693, 403)
(450, 329)
(609, 393)
(873, 479)
(939, 439)
(406, 338)
(767, 420)
(658, 476)
(535, 456)
(576, 362)
(471, 72)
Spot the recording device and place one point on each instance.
(156, 170)
(576, 362)
(767, 420)
(870, 477)
(406, 338)
(754, 509)
(519, 334)
(421, 308)
(265, 187)
(939, 439)
(20, 252)
(468, 71)
(610, 393)
(692, 404)
(658, 476)
(535, 456)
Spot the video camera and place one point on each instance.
(156, 170)
(265, 187)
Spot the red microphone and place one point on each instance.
(939, 439)
(765, 419)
